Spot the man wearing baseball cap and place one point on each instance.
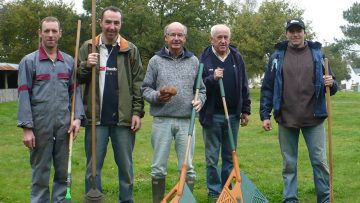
(295, 23)
(294, 88)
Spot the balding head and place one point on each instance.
(175, 25)
(220, 28)
(175, 38)
(220, 39)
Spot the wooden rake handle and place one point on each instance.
(72, 115)
(73, 101)
(236, 168)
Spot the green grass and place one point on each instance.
(258, 153)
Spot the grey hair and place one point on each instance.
(217, 27)
(167, 27)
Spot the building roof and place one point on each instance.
(9, 66)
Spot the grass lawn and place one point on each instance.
(258, 154)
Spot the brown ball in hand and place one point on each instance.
(168, 89)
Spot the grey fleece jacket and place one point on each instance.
(164, 70)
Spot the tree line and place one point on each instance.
(255, 28)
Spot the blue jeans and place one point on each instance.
(123, 141)
(164, 130)
(216, 138)
(315, 139)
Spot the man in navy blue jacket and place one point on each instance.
(221, 60)
(294, 86)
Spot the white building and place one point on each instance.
(255, 81)
(354, 80)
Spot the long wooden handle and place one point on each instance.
(93, 91)
(75, 69)
(328, 107)
(72, 115)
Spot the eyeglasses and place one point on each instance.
(179, 35)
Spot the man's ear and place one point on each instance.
(285, 34)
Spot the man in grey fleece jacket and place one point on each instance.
(172, 65)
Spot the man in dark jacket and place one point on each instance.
(221, 60)
(294, 86)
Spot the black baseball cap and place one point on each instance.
(295, 22)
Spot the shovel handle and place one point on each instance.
(93, 91)
(328, 107)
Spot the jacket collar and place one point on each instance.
(123, 43)
(164, 53)
(218, 55)
(208, 50)
(283, 45)
(44, 56)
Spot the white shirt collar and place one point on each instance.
(101, 42)
(219, 57)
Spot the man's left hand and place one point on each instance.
(74, 128)
(135, 123)
(244, 119)
(197, 105)
(328, 80)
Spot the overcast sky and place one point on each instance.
(326, 16)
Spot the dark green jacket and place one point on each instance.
(130, 76)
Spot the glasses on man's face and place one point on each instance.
(179, 35)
